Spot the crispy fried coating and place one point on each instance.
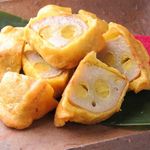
(63, 38)
(35, 66)
(24, 99)
(11, 47)
(128, 55)
(94, 93)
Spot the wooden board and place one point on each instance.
(42, 135)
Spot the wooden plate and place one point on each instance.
(42, 135)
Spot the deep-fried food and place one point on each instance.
(63, 38)
(11, 47)
(128, 55)
(94, 93)
(24, 99)
(35, 66)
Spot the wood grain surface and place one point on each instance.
(42, 135)
(132, 13)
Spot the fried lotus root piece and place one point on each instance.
(63, 38)
(128, 55)
(24, 99)
(35, 66)
(11, 46)
(94, 93)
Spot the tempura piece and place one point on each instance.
(63, 38)
(94, 93)
(128, 55)
(24, 99)
(35, 66)
(11, 46)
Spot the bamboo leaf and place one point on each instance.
(135, 111)
(8, 19)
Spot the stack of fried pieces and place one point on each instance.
(78, 58)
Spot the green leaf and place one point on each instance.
(135, 111)
(8, 19)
